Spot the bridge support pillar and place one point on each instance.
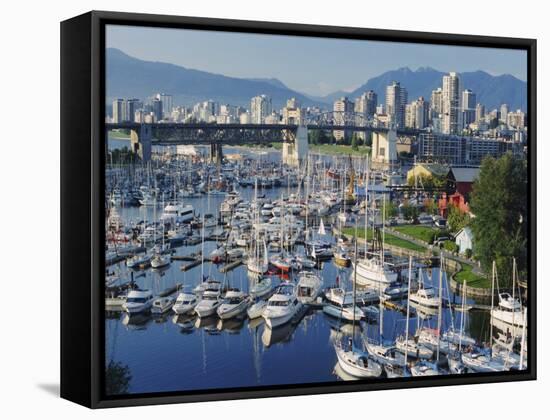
(384, 149)
(216, 153)
(296, 152)
(141, 142)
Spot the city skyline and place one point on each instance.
(276, 56)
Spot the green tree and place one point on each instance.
(390, 210)
(456, 219)
(410, 212)
(499, 203)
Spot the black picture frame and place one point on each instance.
(82, 204)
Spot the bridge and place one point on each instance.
(293, 136)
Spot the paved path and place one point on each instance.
(442, 252)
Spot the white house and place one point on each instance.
(464, 240)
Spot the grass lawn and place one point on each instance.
(339, 149)
(119, 134)
(423, 233)
(388, 239)
(471, 278)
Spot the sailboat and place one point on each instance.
(479, 360)
(353, 361)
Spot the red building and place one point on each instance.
(460, 180)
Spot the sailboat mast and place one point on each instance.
(408, 308)
(492, 305)
(439, 308)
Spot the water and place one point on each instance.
(170, 353)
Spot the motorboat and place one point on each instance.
(509, 310)
(280, 263)
(371, 271)
(342, 259)
(234, 303)
(425, 297)
(159, 261)
(282, 305)
(162, 305)
(309, 287)
(211, 299)
(177, 213)
(138, 260)
(340, 305)
(138, 301)
(256, 310)
(185, 303)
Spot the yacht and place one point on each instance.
(234, 303)
(282, 306)
(309, 287)
(425, 297)
(138, 301)
(159, 261)
(340, 305)
(162, 304)
(177, 213)
(257, 309)
(509, 310)
(185, 303)
(370, 271)
(138, 260)
(211, 299)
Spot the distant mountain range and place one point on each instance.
(131, 77)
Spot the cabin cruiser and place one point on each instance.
(138, 301)
(234, 303)
(162, 304)
(395, 290)
(370, 271)
(340, 305)
(138, 260)
(342, 259)
(257, 309)
(282, 306)
(159, 260)
(177, 213)
(309, 287)
(509, 310)
(185, 303)
(318, 249)
(425, 297)
(211, 299)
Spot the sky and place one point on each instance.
(315, 66)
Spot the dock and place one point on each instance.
(230, 266)
(190, 265)
(190, 257)
(170, 290)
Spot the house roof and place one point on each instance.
(464, 174)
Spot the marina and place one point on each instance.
(238, 274)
